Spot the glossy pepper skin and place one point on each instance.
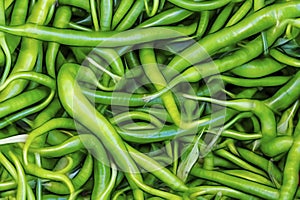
(103, 99)
(96, 122)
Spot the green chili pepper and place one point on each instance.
(291, 172)
(101, 39)
(258, 68)
(259, 21)
(107, 135)
(121, 11)
(28, 55)
(237, 183)
(89, 107)
(62, 17)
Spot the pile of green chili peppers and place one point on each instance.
(149, 99)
